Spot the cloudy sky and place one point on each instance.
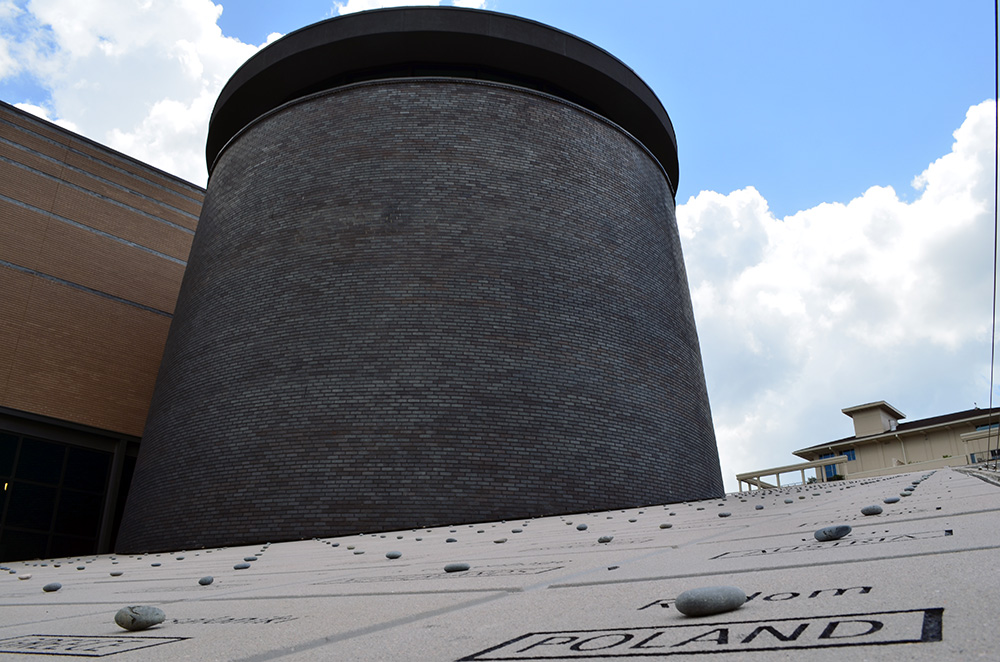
(836, 196)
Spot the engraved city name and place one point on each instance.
(234, 620)
(911, 626)
(513, 569)
(781, 596)
(79, 646)
(843, 542)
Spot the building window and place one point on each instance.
(53, 498)
(831, 469)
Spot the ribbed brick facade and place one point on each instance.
(92, 252)
(424, 301)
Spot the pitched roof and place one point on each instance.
(909, 426)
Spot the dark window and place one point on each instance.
(53, 498)
(8, 451)
(40, 461)
(30, 506)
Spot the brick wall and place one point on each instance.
(92, 251)
(424, 302)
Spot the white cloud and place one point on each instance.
(843, 304)
(38, 111)
(139, 77)
(351, 6)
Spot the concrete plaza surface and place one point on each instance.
(917, 582)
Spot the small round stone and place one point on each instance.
(155, 565)
(758, 507)
(81, 567)
(451, 540)
(180, 558)
(633, 521)
(909, 488)
(666, 526)
(205, 581)
(710, 600)
(905, 494)
(359, 551)
(871, 510)
(725, 514)
(54, 586)
(517, 530)
(241, 566)
(789, 501)
(500, 541)
(890, 500)
(139, 617)
(456, 567)
(605, 539)
(581, 527)
(393, 555)
(27, 576)
(117, 573)
(249, 559)
(835, 532)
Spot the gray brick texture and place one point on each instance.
(422, 302)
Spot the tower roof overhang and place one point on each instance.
(442, 42)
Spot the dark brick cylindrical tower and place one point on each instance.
(437, 279)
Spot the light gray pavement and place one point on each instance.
(918, 582)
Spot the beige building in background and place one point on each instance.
(882, 445)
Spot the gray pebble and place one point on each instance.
(139, 618)
(835, 532)
(758, 507)
(724, 514)
(205, 581)
(581, 527)
(905, 494)
(871, 510)
(789, 501)
(500, 541)
(666, 526)
(393, 555)
(241, 566)
(909, 488)
(890, 500)
(249, 559)
(605, 539)
(451, 540)
(710, 600)
(54, 586)
(515, 530)
(633, 521)
(359, 551)
(117, 573)
(81, 567)
(27, 576)
(456, 567)
(155, 565)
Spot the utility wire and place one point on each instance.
(990, 460)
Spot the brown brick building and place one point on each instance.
(93, 245)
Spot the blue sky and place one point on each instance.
(806, 101)
(821, 276)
